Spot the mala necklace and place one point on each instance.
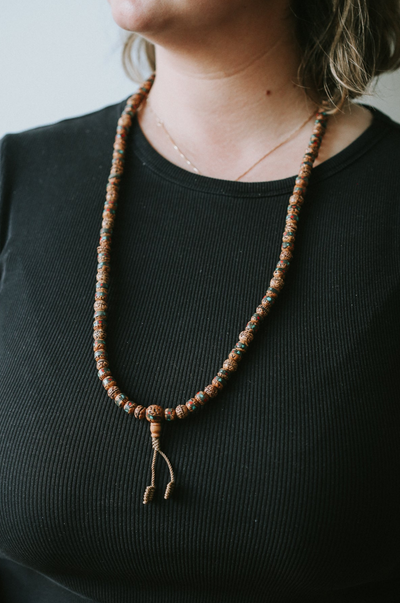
(195, 169)
(156, 415)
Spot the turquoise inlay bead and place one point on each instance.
(100, 323)
(100, 314)
(128, 405)
(223, 373)
(120, 151)
(120, 400)
(272, 290)
(292, 217)
(283, 263)
(287, 245)
(108, 210)
(104, 372)
(242, 346)
(101, 285)
(101, 264)
(169, 414)
(251, 326)
(192, 406)
(107, 381)
(98, 342)
(100, 295)
(238, 352)
(106, 231)
(114, 176)
(293, 208)
(100, 354)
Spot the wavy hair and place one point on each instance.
(343, 45)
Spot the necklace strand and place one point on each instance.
(197, 171)
(155, 414)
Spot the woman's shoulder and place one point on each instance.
(85, 134)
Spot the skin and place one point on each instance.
(226, 87)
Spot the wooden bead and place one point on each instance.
(219, 382)
(113, 391)
(140, 412)
(120, 400)
(155, 413)
(224, 374)
(192, 405)
(181, 411)
(169, 414)
(211, 391)
(129, 407)
(202, 398)
(108, 382)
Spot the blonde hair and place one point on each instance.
(343, 45)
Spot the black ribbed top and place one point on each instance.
(287, 482)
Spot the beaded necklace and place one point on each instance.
(156, 415)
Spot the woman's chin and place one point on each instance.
(136, 15)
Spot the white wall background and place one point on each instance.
(62, 58)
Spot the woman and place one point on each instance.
(285, 485)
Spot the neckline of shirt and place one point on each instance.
(152, 159)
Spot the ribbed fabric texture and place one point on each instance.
(288, 482)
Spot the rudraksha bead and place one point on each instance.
(202, 397)
(101, 363)
(113, 391)
(169, 414)
(99, 334)
(181, 411)
(277, 283)
(155, 413)
(102, 276)
(211, 390)
(246, 337)
(140, 412)
(100, 305)
(289, 237)
(285, 255)
(230, 365)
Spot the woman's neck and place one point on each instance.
(227, 99)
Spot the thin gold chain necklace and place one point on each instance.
(156, 415)
(161, 124)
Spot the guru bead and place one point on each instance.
(155, 413)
